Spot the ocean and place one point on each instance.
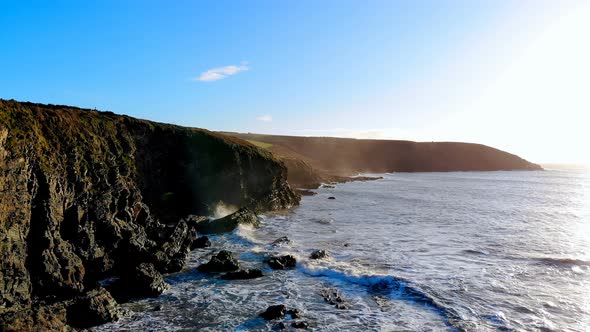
(459, 251)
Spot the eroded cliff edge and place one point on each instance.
(87, 195)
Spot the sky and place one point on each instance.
(514, 75)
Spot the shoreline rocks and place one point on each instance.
(319, 254)
(282, 262)
(87, 196)
(243, 216)
(224, 261)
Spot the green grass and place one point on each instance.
(260, 144)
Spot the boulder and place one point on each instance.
(242, 274)
(224, 261)
(282, 262)
(274, 312)
(281, 240)
(319, 254)
(243, 216)
(201, 242)
(141, 281)
(95, 308)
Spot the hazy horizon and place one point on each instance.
(507, 74)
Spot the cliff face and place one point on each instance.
(85, 195)
(345, 157)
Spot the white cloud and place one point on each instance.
(265, 118)
(220, 73)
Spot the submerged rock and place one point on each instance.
(294, 313)
(279, 326)
(224, 261)
(333, 297)
(281, 240)
(300, 325)
(282, 262)
(274, 312)
(319, 254)
(242, 274)
(243, 216)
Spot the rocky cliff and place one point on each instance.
(87, 195)
(327, 157)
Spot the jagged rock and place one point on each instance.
(319, 254)
(224, 261)
(333, 297)
(300, 325)
(242, 274)
(281, 240)
(228, 223)
(97, 307)
(201, 242)
(282, 262)
(142, 281)
(294, 313)
(274, 312)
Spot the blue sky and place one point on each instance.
(421, 70)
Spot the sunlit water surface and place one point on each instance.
(479, 251)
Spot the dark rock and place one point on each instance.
(305, 192)
(331, 197)
(279, 326)
(201, 242)
(176, 263)
(158, 307)
(319, 254)
(333, 297)
(294, 313)
(142, 281)
(146, 281)
(228, 223)
(274, 312)
(95, 308)
(242, 274)
(224, 261)
(281, 240)
(282, 262)
(300, 325)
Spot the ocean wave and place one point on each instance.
(562, 262)
(396, 287)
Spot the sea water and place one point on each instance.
(462, 251)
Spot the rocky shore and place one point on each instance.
(95, 207)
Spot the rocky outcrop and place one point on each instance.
(319, 254)
(282, 262)
(224, 261)
(243, 216)
(87, 195)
